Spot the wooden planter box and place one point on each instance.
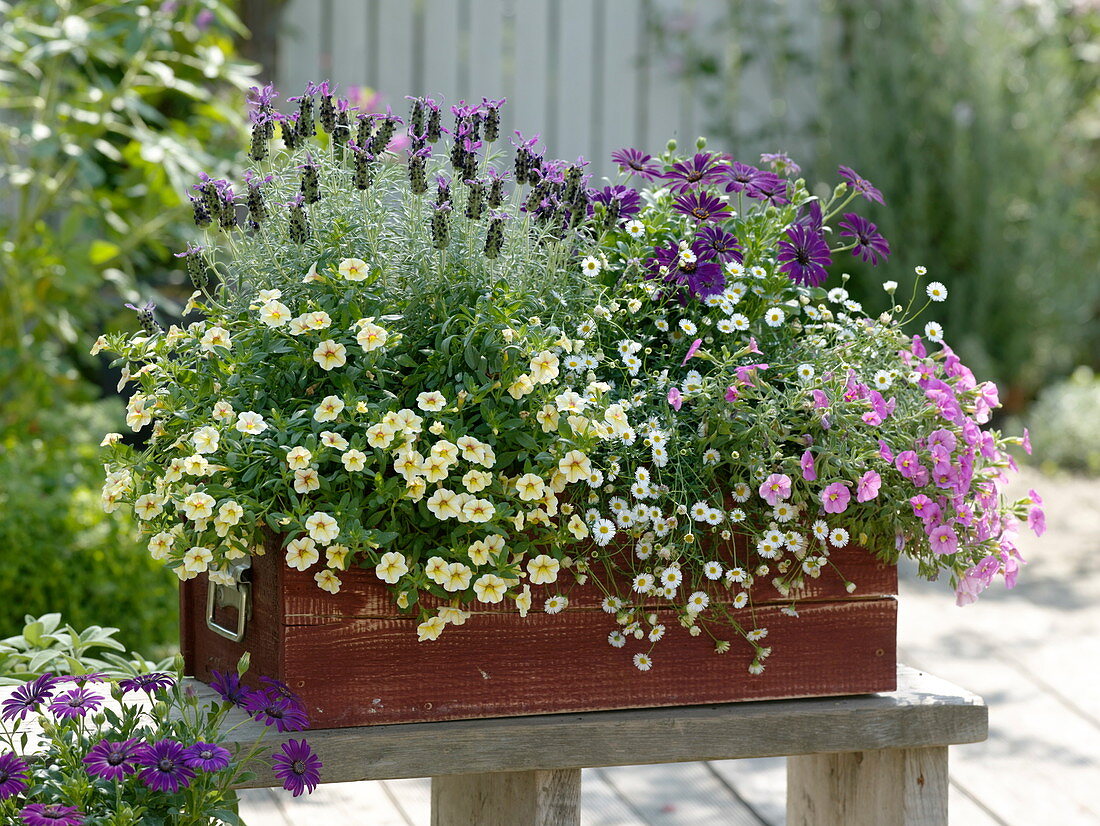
(354, 660)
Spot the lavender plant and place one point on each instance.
(479, 380)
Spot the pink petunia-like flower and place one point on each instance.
(731, 394)
(809, 472)
(821, 400)
(885, 452)
(925, 509)
(776, 488)
(943, 540)
(867, 487)
(1027, 442)
(675, 398)
(1037, 520)
(835, 498)
(918, 347)
(907, 464)
(692, 350)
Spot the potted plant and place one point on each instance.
(467, 397)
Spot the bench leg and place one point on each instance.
(538, 798)
(888, 787)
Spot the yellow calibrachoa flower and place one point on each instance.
(577, 527)
(544, 367)
(306, 480)
(442, 503)
(408, 463)
(222, 411)
(250, 423)
(543, 569)
(148, 506)
(530, 487)
(453, 616)
(327, 581)
(470, 447)
(160, 545)
(475, 480)
(489, 588)
(198, 506)
(336, 556)
(329, 408)
(298, 458)
(435, 569)
(354, 269)
(380, 435)
(230, 512)
(430, 629)
(523, 600)
(391, 567)
(330, 354)
(615, 416)
(275, 314)
(215, 337)
(478, 510)
(548, 418)
(354, 460)
(205, 439)
(575, 466)
(370, 336)
(431, 401)
(301, 553)
(196, 560)
(435, 469)
(495, 543)
(478, 553)
(322, 527)
(521, 387)
(457, 577)
(445, 450)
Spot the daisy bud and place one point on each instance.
(671, 145)
(700, 143)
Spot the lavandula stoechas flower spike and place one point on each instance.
(365, 130)
(496, 188)
(386, 129)
(491, 117)
(200, 213)
(299, 221)
(418, 177)
(494, 236)
(305, 127)
(257, 210)
(416, 116)
(196, 269)
(145, 318)
(227, 207)
(341, 133)
(263, 116)
(442, 190)
(326, 110)
(289, 129)
(524, 154)
(475, 198)
(441, 225)
(362, 166)
(311, 181)
(434, 127)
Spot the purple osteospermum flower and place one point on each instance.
(692, 267)
(804, 256)
(51, 814)
(13, 775)
(870, 245)
(28, 696)
(75, 703)
(702, 206)
(724, 244)
(165, 767)
(810, 216)
(704, 168)
(781, 162)
(113, 760)
(229, 688)
(280, 690)
(637, 162)
(149, 683)
(630, 202)
(740, 176)
(769, 187)
(277, 711)
(209, 757)
(860, 185)
(298, 767)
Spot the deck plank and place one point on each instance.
(679, 794)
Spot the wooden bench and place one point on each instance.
(869, 759)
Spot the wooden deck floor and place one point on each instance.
(1032, 653)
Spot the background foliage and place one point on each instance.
(108, 111)
(978, 121)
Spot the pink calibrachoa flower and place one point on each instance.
(835, 498)
(776, 487)
(925, 509)
(753, 348)
(867, 486)
(746, 372)
(731, 394)
(675, 398)
(820, 399)
(943, 540)
(885, 452)
(809, 472)
(692, 350)
(918, 348)
(1027, 442)
(975, 580)
(1036, 518)
(907, 464)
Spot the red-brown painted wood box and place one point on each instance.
(354, 660)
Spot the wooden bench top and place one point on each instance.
(924, 711)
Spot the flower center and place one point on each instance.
(165, 764)
(695, 176)
(298, 767)
(701, 213)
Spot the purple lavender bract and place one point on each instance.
(298, 767)
(804, 256)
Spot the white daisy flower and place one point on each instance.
(883, 379)
(838, 537)
(739, 321)
(933, 331)
(838, 295)
(936, 291)
(603, 531)
(643, 662)
(805, 372)
(712, 570)
(591, 265)
(688, 327)
(616, 639)
(774, 317)
(635, 229)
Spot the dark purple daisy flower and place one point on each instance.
(229, 688)
(781, 163)
(149, 683)
(28, 697)
(804, 256)
(165, 768)
(691, 267)
(277, 711)
(278, 689)
(724, 244)
(113, 760)
(860, 185)
(810, 216)
(209, 757)
(704, 168)
(637, 162)
(630, 202)
(702, 206)
(870, 245)
(298, 767)
(768, 187)
(75, 703)
(13, 775)
(740, 176)
(51, 814)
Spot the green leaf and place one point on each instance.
(33, 633)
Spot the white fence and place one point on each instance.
(586, 74)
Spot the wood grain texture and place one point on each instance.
(891, 787)
(537, 798)
(924, 711)
(371, 671)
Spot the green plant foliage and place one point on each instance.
(45, 646)
(58, 550)
(106, 110)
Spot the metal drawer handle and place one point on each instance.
(238, 595)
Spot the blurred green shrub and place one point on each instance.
(107, 112)
(978, 119)
(60, 551)
(1065, 424)
(46, 646)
